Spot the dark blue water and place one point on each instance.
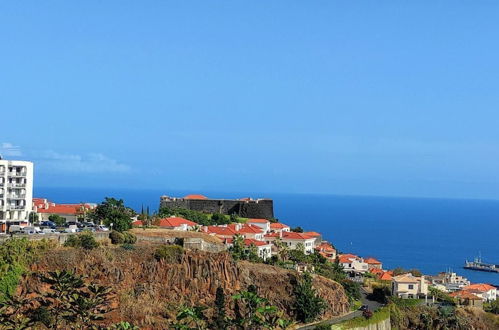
(429, 234)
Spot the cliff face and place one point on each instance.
(148, 292)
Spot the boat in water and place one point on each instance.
(479, 265)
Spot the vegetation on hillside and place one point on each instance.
(15, 257)
(251, 312)
(308, 305)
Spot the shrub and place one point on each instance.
(128, 246)
(72, 241)
(169, 253)
(129, 238)
(88, 241)
(84, 240)
(116, 237)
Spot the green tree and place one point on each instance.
(308, 305)
(33, 217)
(255, 312)
(114, 212)
(492, 307)
(219, 219)
(297, 229)
(57, 219)
(71, 302)
(238, 249)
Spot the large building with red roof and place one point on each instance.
(71, 212)
(243, 207)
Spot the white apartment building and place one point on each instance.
(16, 192)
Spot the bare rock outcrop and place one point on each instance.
(149, 292)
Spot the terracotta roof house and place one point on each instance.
(316, 235)
(352, 263)
(292, 240)
(176, 223)
(264, 250)
(220, 231)
(44, 208)
(373, 263)
(278, 227)
(466, 298)
(485, 291)
(326, 250)
(386, 276)
(264, 224)
(252, 232)
(409, 286)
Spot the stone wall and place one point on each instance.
(59, 238)
(260, 208)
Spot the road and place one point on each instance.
(371, 304)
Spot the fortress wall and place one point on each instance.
(253, 209)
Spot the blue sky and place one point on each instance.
(346, 97)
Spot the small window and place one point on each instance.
(411, 286)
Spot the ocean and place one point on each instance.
(432, 235)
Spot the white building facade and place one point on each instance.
(16, 192)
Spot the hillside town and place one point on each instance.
(24, 215)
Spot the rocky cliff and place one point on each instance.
(149, 292)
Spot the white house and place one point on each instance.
(251, 232)
(409, 286)
(352, 263)
(16, 192)
(176, 223)
(264, 224)
(264, 250)
(485, 291)
(278, 227)
(292, 240)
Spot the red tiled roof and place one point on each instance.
(194, 196)
(482, 287)
(175, 222)
(376, 271)
(278, 225)
(312, 233)
(464, 294)
(137, 223)
(223, 231)
(62, 208)
(272, 235)
(293, 235)
(257, 221)
(372, 261)
(386, 276)
(249, 229)
(324, 246)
